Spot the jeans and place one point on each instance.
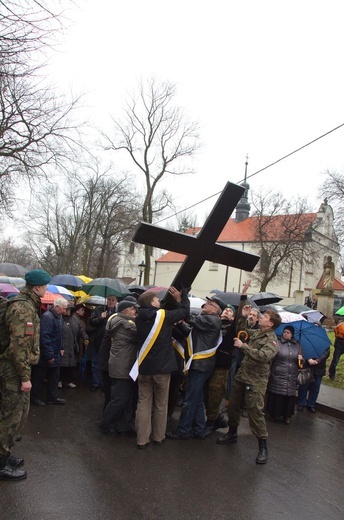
(335, 360)
(192, 418)
(312, 389)
(95, 367)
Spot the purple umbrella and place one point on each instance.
(7, 288)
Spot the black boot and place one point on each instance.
(8, 472)
(229, 438)
(262, 456)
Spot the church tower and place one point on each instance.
(242, 211)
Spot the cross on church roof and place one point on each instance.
(203, 247)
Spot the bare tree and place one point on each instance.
(333, 190)
(158, 139)
(22, 255)
(36, 125)
(283, 232)
(83, 230)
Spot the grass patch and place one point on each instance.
(339, 382)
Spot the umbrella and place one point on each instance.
(297, 309)
(340, 311)
(288, 317)
(313, 339)
(106, 286)
(84, 278)
(234, 298)
(50, 297)
(312, 316)
(14, 280)
(266, 298)
(93, 300)
(71, 282)
(196, 303)
(12, 269)
(62, 291)
(7, 288)
(136, 288)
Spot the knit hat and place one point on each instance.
(37, 277)
(125, 304)
(290, 328)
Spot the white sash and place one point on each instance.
(200, 355)
(148, 343)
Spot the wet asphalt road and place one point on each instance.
(77, 473)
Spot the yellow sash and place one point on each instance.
(200, 355)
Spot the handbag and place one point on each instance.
(305, 376)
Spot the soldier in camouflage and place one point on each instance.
(251, 381)
(23, 323)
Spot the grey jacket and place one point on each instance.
(124, 345)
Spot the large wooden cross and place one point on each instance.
(203, 247)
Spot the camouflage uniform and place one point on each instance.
(23, 323)
(251, 381)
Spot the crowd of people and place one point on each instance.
(140, 352)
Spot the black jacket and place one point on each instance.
(161, 358)
(206, 329)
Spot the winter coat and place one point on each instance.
(72, 333)
(320, 368)
(206, 329)
(284, 368)
(161, 358)
(259, 353)
(124, 346)
(50, 338)
(97, 326)
(23, 323)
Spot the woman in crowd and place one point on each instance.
(308, 393)
(73, 332)
(283, 378)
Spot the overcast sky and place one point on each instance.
(262, 78)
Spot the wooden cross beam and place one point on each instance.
(203, 247)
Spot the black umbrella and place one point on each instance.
(296, 308)
(266, 298)
(139, 289)
(12, 269)
(234, 298)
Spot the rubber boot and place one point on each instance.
(262, 456)
(229, 438)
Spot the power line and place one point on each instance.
(256, 173)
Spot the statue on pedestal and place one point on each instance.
(328, 274)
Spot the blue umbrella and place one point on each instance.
(69, 281)
(313, 339)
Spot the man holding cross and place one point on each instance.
(156, 362)
(202, 343)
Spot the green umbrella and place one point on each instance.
(340, 311)
(106, 286)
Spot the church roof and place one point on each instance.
(338, 285)
(244, 231)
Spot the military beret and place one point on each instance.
(37, 277)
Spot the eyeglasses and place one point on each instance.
(213, 305)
